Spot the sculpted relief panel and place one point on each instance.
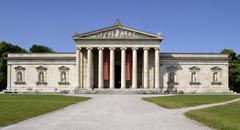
(117, 33)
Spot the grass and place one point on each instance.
(15, 108)
(226, 117)
(180, 101)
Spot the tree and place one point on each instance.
(6, 48)
(40, 48)
(231, 54)
(234, 69)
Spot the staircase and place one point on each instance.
(116, 91)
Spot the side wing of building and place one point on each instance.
(194, 72)
(41, 72)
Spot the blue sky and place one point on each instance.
(188, 25)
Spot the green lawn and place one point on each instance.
(15, 108)
(226, 117)
(180, 101)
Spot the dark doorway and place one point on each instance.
(117, 76)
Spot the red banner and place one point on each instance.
(106, 65)
(128, 66)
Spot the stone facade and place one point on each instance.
(33, 64)
(118, 57)
(184, 65)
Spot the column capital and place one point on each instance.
(100, 48)
(89, 48)
(146, 48)
(123, 48)
(78, 48)
(157, 48)
(111, 48)
(134, 48)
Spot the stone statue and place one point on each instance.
(117, 33)
(41, 77)
(19, 77)
(63, 77)
(215, 77)
(172, 80)
(194, 78)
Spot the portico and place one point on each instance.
(118, 57)
(108, 67)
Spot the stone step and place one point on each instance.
(139, 91)
(117, 91)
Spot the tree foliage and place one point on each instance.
(6, 48)
(234, 69)
(231, 54)
(40, 49)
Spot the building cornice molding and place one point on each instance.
(194, 58)
(41, 58)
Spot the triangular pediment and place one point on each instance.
(172, 68)
(63, 68)
(19, 68)
(194, 68)
(41, 68)
(216, 68)
(117, 32)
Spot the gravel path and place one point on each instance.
(111, 112)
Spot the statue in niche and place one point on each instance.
(215, 77)
(63, 77)
(19, 77)
(172, 77)
(41, 77)
(194, 78)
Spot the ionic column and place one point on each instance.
(81, 67)
(89, 67)
(134, 68)
(100, 68)
(78, 65)
(112, 68)
(157, 68)
(145, 68)
(123, 68)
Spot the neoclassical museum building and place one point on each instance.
(118, 58)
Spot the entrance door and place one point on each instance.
(118, 76)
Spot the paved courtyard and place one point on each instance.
(110, 112)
